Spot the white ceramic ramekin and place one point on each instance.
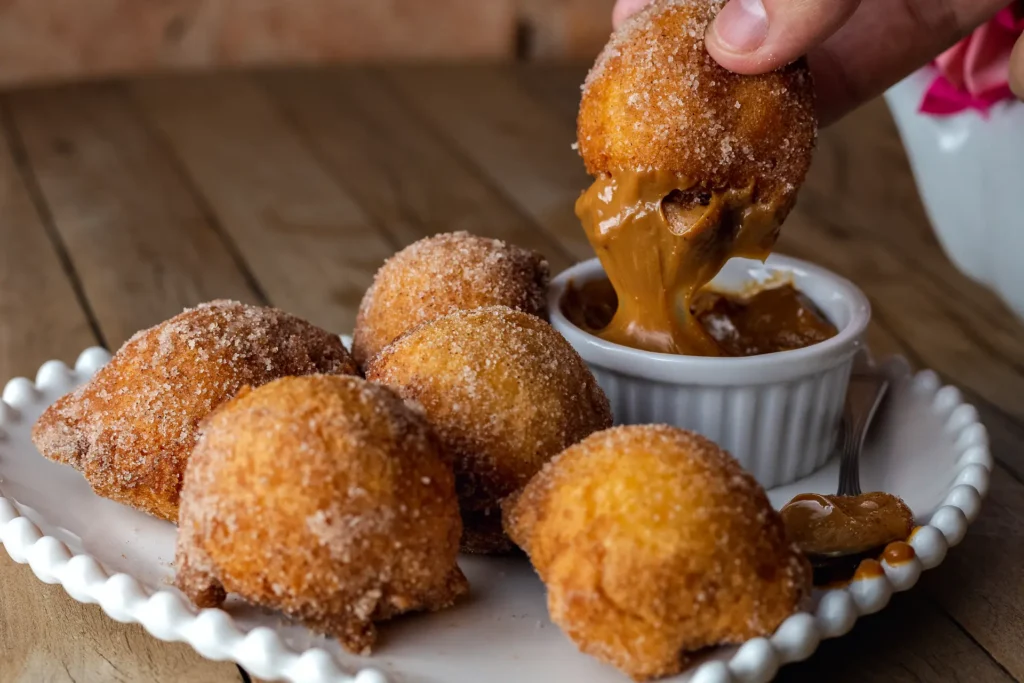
(776, 413)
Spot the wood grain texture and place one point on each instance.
(311, 246)
(142, 245)
(40, 317)
(910, 642)
(513, 139)
(44, 634)
(981, 583)
(395, 165)
(557, 86)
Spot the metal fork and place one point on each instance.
(867, 389)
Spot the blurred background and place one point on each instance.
(54, 40)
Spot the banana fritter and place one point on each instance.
(325, 497)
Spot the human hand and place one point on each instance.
(856, 48)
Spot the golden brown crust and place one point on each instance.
(325, 497)
(654, 543)
(131, 429)
(505, 392)
(443, 274)
(656, 100)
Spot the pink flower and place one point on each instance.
(974, 73)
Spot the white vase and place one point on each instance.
(970, 173)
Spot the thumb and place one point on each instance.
(757, 36)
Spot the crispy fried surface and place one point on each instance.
(325, 497)
(505, 392)
(443, 274)
(131, 429)
(656, 100)
(654, 543)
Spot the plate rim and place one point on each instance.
(167, 616)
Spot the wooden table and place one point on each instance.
(122, 203)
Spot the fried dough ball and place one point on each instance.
(443, 274)
(325, 497)
(653, 543)
(656, 100)
(131, 429)
(505, 392)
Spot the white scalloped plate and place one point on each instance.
(928, 448)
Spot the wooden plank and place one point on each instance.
(44, 634)
(981, 583)
(47, 636)
(910, 642)
(141, 244)
(513, 139)
(556, 86)
(40, 317)
(395, 165)
(48, 40)
(312, 248)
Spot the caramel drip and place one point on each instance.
(897, 553)
(660, 240)
(868, 569)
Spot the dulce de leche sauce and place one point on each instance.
(831, 525)
(660, 241)
(776, 318)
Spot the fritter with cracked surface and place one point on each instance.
(131, 429)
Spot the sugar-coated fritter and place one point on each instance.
(505, 392)
(443, 274)
(326, 497)
(131, 429)
(654, 543)
(655, 100)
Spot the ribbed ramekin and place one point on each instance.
(777, 413)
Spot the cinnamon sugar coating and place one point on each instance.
(654, 544)
(131, 429)
(504, 392)
(655, 100)
(326, 497)
(443, 274)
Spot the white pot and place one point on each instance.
(970, 172)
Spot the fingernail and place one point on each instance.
(742, 25)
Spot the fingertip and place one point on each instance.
(757, 36)
(735, 38)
